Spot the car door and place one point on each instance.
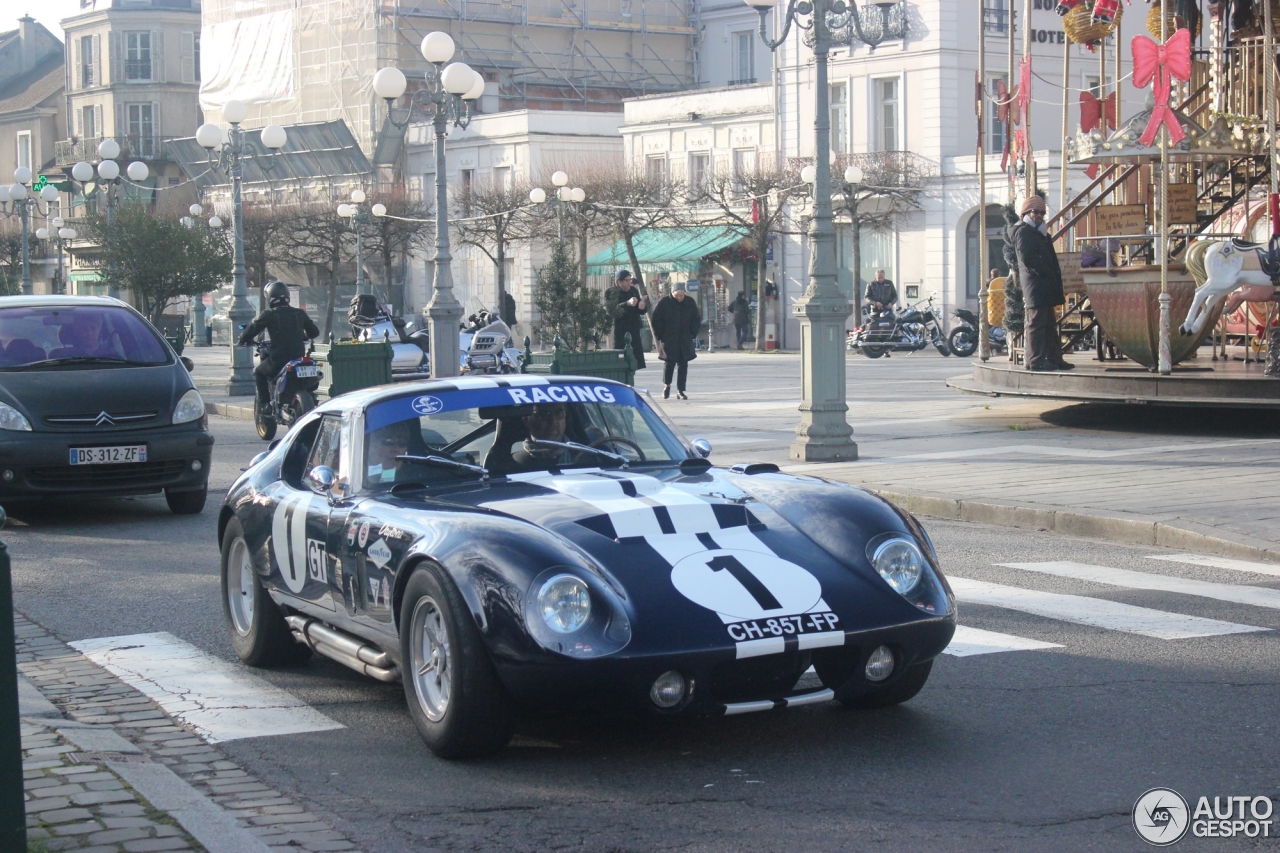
(300, 520)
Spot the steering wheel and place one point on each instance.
(613, 439)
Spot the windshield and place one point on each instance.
(94, 335)
(521, 428)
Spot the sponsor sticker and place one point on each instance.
(388, 531)
(364, 534)
(379, 553)
(427, 405)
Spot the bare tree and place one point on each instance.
(757, 200)
(890, 189)
(265, 228)
(318, 238)
(402, 232)
(625, 201)
(491, 217)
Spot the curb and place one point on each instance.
(229, 410)
(1129, 528)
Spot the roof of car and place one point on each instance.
(368, 396)
(48, 300)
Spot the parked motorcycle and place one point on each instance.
(964, 338)
(410, 348)
(293, 393)
(909, 330)
(489, 349)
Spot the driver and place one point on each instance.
(382, 449)
(84, 335)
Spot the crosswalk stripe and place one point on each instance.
(975, 641)
(1097, 612)
(220, 701)
(1272, 569)
(1256, 596)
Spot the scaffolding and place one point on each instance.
(536, 54)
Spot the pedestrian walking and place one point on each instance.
(1041, 281)
(627, 307)
(676, 321)
(741, 309)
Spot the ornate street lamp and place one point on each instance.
(105, 180)
(60, 235)
(228, 151)
(360, 215)
(566, 200)
(824, 434)
(197, 310)
(445, 99)
(16, 200)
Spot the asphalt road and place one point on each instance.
(1043, 749)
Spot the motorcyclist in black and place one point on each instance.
(289, 327)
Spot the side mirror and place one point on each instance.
(255, 460)
(187, 363)
(702, 447)
(321, 480)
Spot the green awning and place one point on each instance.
(667, 249)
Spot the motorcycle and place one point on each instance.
(909, 330)
(489, 350)
(410, 348)
(293, 393)
(964, 338)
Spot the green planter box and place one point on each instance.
(177, 340)
(351, 366)
(617, 364)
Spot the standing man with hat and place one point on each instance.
(627, 306)
(676, 320)
(1041, 280)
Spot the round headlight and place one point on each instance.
(900, 563)
(565, 603)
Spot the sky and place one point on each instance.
(47, 12)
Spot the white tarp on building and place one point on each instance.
(248, 59)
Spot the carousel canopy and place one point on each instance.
(1226, 138)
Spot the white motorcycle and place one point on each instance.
(489, 350)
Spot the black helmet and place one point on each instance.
(277, 294)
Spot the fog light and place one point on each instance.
(8, 476)
(880, 664)
(195, 465)
(668, 690)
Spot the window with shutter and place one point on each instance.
(76, 73)
(117, 62)
(98, 79)
(188, 51)
(157, 57)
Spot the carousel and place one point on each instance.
(1171, 254)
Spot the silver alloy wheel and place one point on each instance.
(240, 587)
(432, 662)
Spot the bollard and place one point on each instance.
(13, 818)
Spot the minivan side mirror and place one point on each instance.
(187, 363)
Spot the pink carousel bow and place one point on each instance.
(1162, 63)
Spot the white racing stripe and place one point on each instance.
(1255, 596)
(1272, 569)
(975, 641)
(1096, 612)
(220, 701)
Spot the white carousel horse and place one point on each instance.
(1218, 268)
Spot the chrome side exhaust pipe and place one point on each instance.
(342, 647)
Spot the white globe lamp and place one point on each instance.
(17, 192)
(108, 149)
(215, 221)
(274, 137)
(389, 83)
(42, 233)
(853, 175)
(209, 136)
(82, 172)
(378, 210)
(477, 87)
(49, 192)
(137, 171)
(457, 78)
(538, 195)
(358, 196)
(437, 47)
(809, 174)
(108, 170)
(235, 112)
(559, 178)
(22, 175)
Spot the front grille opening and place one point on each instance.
(765, 677)
(128, 475)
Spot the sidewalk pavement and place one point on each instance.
(1204, 480)
(106, 771)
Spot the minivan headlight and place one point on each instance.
(190, 408)
(11, 418)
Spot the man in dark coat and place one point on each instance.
(881, 293)
(1041, 280)
(741, 309)
(676, 321)
(627, 306)
(289, 328)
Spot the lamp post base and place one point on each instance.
(823, 448)
(823, 434)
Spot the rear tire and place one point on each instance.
(964, 341)
(258, 631)
(872, 350)
(459, 706)
(186, 503)
(264, 422)
(906, 687)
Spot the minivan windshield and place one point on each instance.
(37, 337)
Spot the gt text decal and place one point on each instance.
(317, 562)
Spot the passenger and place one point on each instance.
(382, 449)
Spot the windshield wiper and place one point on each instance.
(80, 359)
(478, 470)
(580, 448)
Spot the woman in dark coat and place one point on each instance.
(627, 305)
(676, 321)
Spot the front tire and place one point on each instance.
(258, 631)
(456, 701)
(906, 687)
(964, 341)
(186, 503)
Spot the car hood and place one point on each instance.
(90, 391)
(655, 529)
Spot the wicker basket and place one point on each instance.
(1173, 23)
(1082, 29)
